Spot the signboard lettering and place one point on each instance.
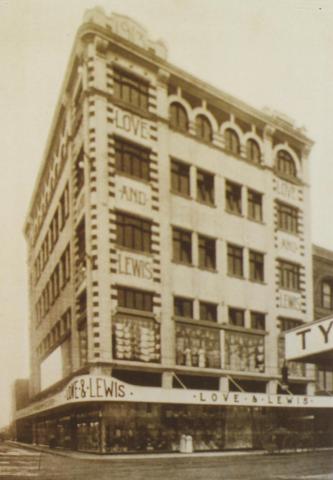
(286, 190)
(133, 195)
(134, 267)
(91, 388)
(290, 301)
(133, 124)
(310, 339)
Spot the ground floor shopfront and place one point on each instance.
(143, 427)
(104, 415)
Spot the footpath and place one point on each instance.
(146, 456)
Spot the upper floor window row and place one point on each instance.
(181, 184)
(204, 131)
(56, 226)
(131, 89)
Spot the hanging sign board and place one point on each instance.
(310, 340)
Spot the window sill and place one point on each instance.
(239, 277)
(135, 313)
(294, 180)
(254, 220)
(207, 269)
(291, 290)
(178, 262)
(132, 177)
(182, 195)
(135, 252)
(294, 234)
(258, 282)
(197, 323)
(207, 204)
(131, 108)
(236, 214)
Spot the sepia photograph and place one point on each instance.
(166, 270)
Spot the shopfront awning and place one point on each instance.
(311, 342)
(90, 388)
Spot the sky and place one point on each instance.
(275, 53)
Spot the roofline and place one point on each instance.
(93, 28)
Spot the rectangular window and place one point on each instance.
(180, 178)
(135, 299)
(65, 267)
(131, 89)
(83, 343)
(236, 317)
(208, 311)
(254, 205)
(133, 233)
(235, 260)
(287, 218)
(289, 275)
(258, 321)
(182, 246)
(183, 307)
(233, 194)
(79, 171)
(256, 266)
(288, 323)
(205, 187)
(132, 160)
(207, 252)
(80, 243)
(64, 207)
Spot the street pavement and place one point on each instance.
(19, 463)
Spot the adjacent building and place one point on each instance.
(168, 251)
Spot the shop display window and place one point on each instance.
(197, 346)
(136, 338)
(244, 352)
(295, 369)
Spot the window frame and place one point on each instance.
(206, 252)
(177, 120)
(254, 207)
(133, 232)
(235, 260)
(131, 89)
(235, 321)
(257, 318)
(326, 295)
(185, 304)
(253, 151)
(233, 202)
(180, 176)
(256, 266)
(203, 128)
(289, 275)
(133, 298)
(205, 187)
(285, 164)
(232, 141)
(132, 160)
(211, 316)
(182, 246)
(287, 218)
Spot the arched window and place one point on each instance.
(285, 164)
(253, 154)
(178, 117)
(232, 141)
(326, 294)
(203, 128)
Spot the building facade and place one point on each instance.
(323, 306)
(168, 250)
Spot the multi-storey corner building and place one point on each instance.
(168, 251)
